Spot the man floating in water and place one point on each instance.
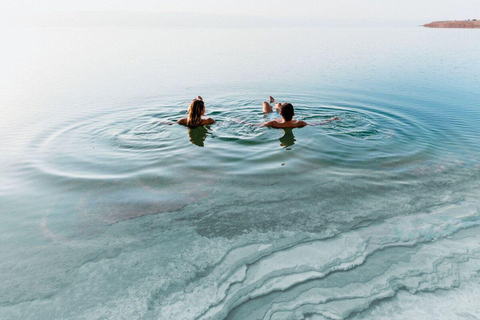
(287, 112)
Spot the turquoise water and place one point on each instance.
(109, 213)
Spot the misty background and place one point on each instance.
(233, 14)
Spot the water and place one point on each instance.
(107, 212)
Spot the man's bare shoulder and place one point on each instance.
(290, 124)
(272, 124)
(300, 123)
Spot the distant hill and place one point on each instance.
(454, 24)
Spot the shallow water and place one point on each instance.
(108, 211)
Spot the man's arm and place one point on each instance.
(324, 122)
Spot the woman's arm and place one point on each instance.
(165, 122)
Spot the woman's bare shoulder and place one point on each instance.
(208, 121)
(182, 121)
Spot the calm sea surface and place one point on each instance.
(107, 212)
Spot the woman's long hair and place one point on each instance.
(194, 118)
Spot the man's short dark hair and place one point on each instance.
(286, 111)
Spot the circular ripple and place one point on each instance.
(137, 159)
(110, 145)
(129, 142)
(144, 163)
(376, 134)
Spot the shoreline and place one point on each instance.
(463, 24)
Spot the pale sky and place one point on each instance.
(367, 9)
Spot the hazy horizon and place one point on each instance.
(214, 13)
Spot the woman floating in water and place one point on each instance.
(287, 112)
(195, 113)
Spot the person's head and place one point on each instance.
(286, 111)
(195, 113)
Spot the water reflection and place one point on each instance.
(288, 139)
(198, 135)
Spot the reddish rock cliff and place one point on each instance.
(453, 24)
